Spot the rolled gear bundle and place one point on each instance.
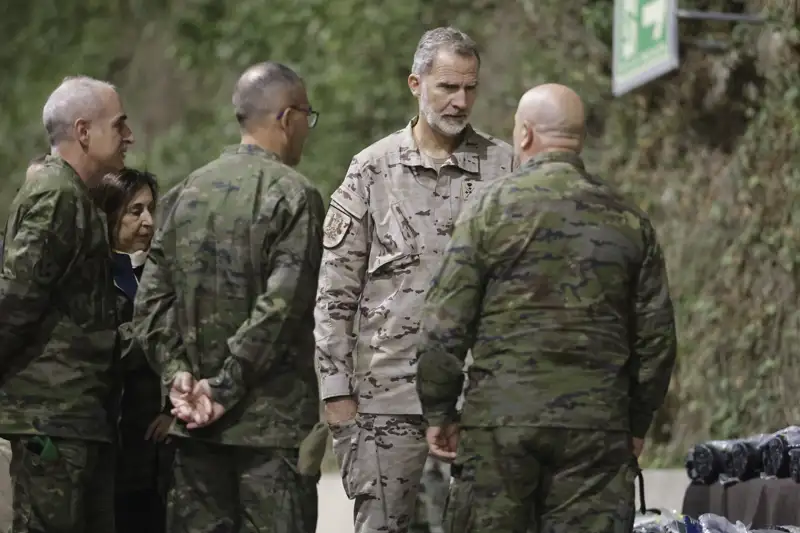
(775, 452)
(794, 466)
(746, 460)
(706, 462)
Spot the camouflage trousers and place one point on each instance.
(236, 489)
(70, 489)
(526, 480)
(431, 498)
(381, 458)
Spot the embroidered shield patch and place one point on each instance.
(337, 223)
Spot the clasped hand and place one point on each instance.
(193, 402)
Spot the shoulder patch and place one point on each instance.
(337, 224)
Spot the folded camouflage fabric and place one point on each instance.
(312, 450)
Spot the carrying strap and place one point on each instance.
(642, 505)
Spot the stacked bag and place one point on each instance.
(767, 455)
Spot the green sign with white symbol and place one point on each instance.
(645, 42)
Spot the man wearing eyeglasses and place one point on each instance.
(225, 314)
(385, 231)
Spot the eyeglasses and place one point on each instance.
(311, 115)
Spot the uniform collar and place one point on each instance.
(465, 156)
(251, 149)
(58, 161)
(570, 158)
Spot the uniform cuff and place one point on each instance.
(170, 369)
(640, 423)
(441, 416)
(228, 387)
(336, 385)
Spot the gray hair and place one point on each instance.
(77, 97)
(262, 89)
(432, 41)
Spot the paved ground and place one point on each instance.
(665, 489)
(5, 499)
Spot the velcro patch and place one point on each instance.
(337, 224)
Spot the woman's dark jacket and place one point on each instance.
(140, 462)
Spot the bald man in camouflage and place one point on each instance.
(224, 312)
(384, 234)
(558, 285)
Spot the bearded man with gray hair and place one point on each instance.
(59, 326)
(385, 231)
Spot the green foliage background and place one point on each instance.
(712, 150)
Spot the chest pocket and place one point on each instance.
(394, 240)
(87, 294)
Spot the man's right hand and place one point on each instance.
(638, 447)
(342, 409)
(193, 402)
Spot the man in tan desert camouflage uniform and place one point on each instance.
(385, 231)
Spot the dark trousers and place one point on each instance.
(140, 511)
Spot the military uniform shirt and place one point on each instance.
(227, 295)
(58, 306)
(559, 287)
(385, 231)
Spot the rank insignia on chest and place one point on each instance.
(466, 189)
(337, 223)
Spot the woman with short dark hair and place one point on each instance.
(143, 461)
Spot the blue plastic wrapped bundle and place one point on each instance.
(663, 521)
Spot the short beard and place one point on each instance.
(437, 122)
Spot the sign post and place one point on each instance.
(645, 42)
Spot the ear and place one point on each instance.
(82, 131)
(285, 120)
(527, 138)
(414, 84)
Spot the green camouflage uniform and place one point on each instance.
(559, 287)
(227, 294)
(57, 355)
(385, 231)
